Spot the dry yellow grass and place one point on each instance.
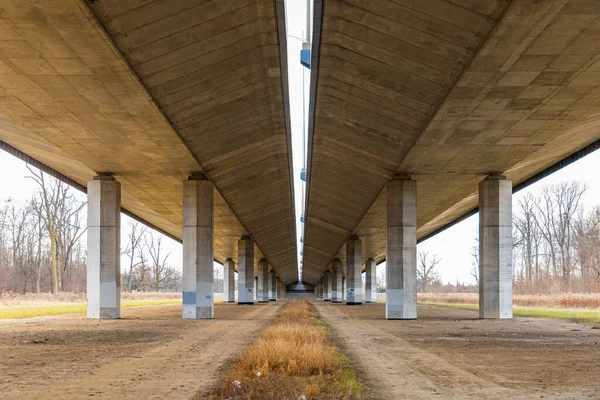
(564, 300)
(292, 357)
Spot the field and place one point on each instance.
(566, 300)
(43, 304)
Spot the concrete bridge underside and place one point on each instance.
(152, 91)
(447, 92)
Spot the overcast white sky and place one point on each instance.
(453, 246)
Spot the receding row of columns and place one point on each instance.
(103, 271)
(495, 254)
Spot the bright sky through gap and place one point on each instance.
(453, 246)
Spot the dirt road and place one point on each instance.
(449, 353)
(149, 354)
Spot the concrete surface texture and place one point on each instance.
(336, 281)
(246, 289)
(327, 286)
(229, 281)
(151, 353)
(401, 265)
(96, 86)
(451, 354)
(198, 265)
(354, 295)
(262, 281)
(495, 248)
(103, 244)
(370, 281)
(447, 92)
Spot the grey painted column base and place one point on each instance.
(353, 303)
(272, 299)
(370, 302)
(327, 300)
(245, 303)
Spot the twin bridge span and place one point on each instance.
(420, 112)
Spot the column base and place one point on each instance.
(272, 299)
(401, 319)
(353, 303)
(370, 302)
(263, 301)
(244, 303)
(228, 301)
(327, 300)
(337, 301)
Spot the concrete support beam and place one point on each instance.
(327, 286)
(354, 271)
(245, 270)
(197, 279)
(495, 248)
(371, 281)
(103, 243)
(229, 281)
(263, 281)
(401, 258)
(272, 285)
(336, 281)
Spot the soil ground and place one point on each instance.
(151, 353)
(449, 353)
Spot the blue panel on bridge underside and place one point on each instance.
(305, 58)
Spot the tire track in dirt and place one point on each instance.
(395, 369)
(178, 368)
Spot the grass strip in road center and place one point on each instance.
(294, 358)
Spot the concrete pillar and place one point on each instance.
(354, 271)
(104, 248)
(263, 281)
(256, 288)
(245, 270)
(327, 286)
(320, 289)
(229, 281)
(197, 277)
(495, 247)
(336, 281)
(371, 281)
(272, 285)
(344, 288)
(401, 258)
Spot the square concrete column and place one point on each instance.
(401, 258)
(371, 281)
(344, 288)
(336, 281)
(229, 281)
(104, 248)
(245, 270)
(327, 286)
(198, 267)
(354, 295)
(320, 289)
(495, 247)
(272, 285)
(263, 281)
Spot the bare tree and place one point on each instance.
(134, 248)
(161, 272)
(426, 273)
